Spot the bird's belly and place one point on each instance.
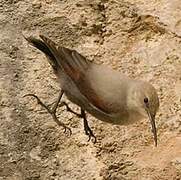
(117, 118)
(121, 118)
(85, 105)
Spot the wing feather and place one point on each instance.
(76, 66)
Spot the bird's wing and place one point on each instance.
(76, 66)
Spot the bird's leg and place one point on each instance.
(87, 129)
(52, 110)
(63, 103)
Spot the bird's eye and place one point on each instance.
(146, 100)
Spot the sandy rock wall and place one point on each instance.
(140, 38)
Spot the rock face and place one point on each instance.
(140, 38)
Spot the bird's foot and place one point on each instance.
(87, 129)
(52, 111)
(90, 134)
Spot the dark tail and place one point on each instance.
(39, 44)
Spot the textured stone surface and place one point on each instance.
(140, 38)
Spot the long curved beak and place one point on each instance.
(153, 125)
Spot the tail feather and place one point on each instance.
(39, 44)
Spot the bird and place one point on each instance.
(97, 89)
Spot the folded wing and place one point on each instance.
(76, 66)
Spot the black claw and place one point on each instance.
(65, 130)
(70, 131)
(33, 95)
(91, 136)
(36, 97)
(95, 140)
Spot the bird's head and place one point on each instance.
(143, 99)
